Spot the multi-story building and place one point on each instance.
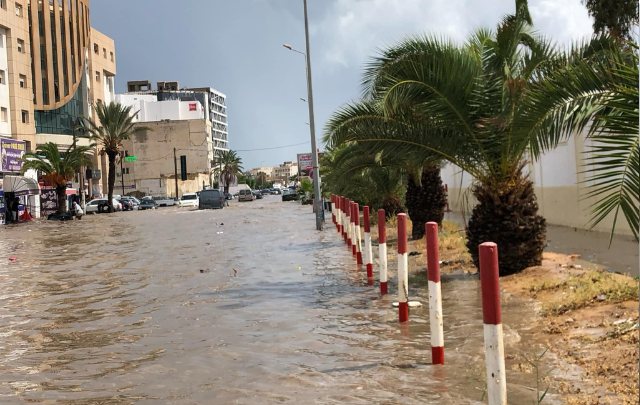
(285, 171)
(212, 101)
(268, 170)
(53, 67)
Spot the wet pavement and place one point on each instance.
(246, 305)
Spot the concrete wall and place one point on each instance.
(154, 169)
(135, 101)
(559, 185)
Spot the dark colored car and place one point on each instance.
(147, 204)
(289, 195)
(126, 204)
(257, 195)
(228, 196)
(211, 199)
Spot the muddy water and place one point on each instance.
(145, 308)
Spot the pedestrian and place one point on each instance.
(15, 208)
(77, 210)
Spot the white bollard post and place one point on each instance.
(356, 228)
(348, 211)
(492, 317)
(403, 267)
(368, 254)
(435, 294)
(382, 250)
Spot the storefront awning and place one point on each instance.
(20, 185)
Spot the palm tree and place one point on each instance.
(601, 95)
(261, 177)
(348, 171)
(425, 195)
(115, 124)
(229, 168)
(468, 100)
(57, 168)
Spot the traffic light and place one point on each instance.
(183, 168)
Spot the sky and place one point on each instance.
(235, 46)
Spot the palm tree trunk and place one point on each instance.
(507, 214)
(111, 178)
(425, 203)
(61, 194)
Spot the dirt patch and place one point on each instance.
(587, 316)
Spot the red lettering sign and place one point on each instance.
(193, 107)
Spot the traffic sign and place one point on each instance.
(131, 158)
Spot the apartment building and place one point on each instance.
(53, 67)
(268, 170)
(284, 171)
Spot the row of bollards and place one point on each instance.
(346, 217)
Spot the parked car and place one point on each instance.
(189, 200)
(147, 204)
(228, 196)
(257, 195)
(164, 201)
(100, 205)
(245, 195)
(126, 204)
(134, 201)
(211, 199)
(289, 195)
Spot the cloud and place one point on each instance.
(351, 30)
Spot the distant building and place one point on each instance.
(268, 170)
(285, 171)
(212, 104)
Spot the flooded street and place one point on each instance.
(246, 305)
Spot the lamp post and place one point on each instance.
(312, 127)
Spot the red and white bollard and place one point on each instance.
(356, 228)
(382, 250)
(368, 254)
(333, 209)
(403, 267)
(345, 222)
(435, 294)
(338, 214)
(353, 229)
(348, 211)
(492, 317)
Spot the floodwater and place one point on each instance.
(246, 305)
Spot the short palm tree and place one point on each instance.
(425, 195)
(57, 168)
(229, 168)
(115, 124)
(468, 100)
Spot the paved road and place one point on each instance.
(146, 308)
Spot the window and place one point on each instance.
(95, 49)
(20, 45)
(111, 56)
(23, 81)
(104, 52)
(126, 170)
(3, 78)
(99, 101)
(4, 114)
(25, 117)
(18, 10)
(97, 76)
(3, 4)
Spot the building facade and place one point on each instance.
(268, 170)
(211, 102)
(53, 68)
(285, 171)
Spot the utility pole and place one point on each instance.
(175, 169)
(122, 171)
(312, 125)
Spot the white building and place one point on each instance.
(149, 110)
(559, 183)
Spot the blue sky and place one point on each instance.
(235, 46)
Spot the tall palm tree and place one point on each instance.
(601, 95)
(425, 195)
(57, 168)
(468, 99)
(229, 168)
(115, 124)
(261, 177)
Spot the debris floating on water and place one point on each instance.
(235, 272)
(13, 259)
